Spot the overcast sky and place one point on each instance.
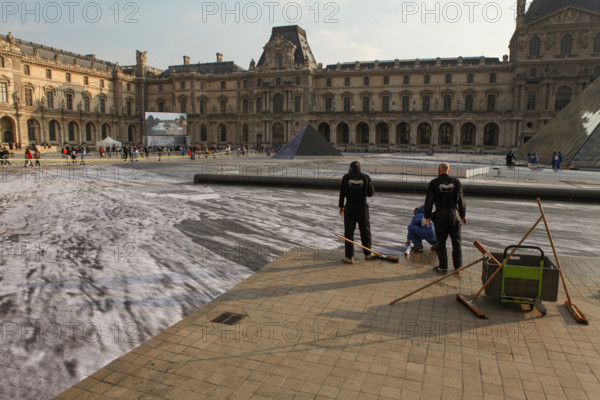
(338, 31)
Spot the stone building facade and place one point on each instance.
(463, 104)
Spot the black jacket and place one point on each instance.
(355, 189)
(446, 193)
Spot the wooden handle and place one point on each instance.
(479, 246)
(363, 247)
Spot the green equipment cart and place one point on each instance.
(525, 278)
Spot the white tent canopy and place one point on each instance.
(108, 142)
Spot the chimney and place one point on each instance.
(219, 57)
(186, 60)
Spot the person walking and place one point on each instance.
(445, 192)
(37, 155)
(354, 190)
(28, 158)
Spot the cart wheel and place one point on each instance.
(540, 307)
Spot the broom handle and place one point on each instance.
(436, 281)
(366, 248)
(562, 278)
(487, 283)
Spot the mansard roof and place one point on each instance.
(540, 8)
(225, 67)
(50, 53)
(297, 36)
(423, 63)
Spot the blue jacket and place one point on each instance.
(424, 232)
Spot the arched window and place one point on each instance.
(223, 132)
(343, 133)
(52, 128)
(382, 133)
(278, 60)
(597, 43)
(446, 134)
(534, 46)
(32, 127)
(491, 133)
(105, 131)
(362, 131)
(467, 134)
(403, 133)
(424, 134)
(89, 132)
(566, 45)
(325, 131)
(203, 133)
(278, 138)
(563, 97)
(131, 133)
(245, 133)
(328, 82)
(278, 103)
(72, 129)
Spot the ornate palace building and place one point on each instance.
(470, 104)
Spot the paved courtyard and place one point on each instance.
(315, 328)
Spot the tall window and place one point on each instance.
(346, 81)
(493, 77)
(86, 80)
(26, 70)
(245, 133)
(491, 103)
(102, 105)
(202, 106)
(403, 133)
(406, 79)
(298, 81)
(160, 88)
(223, 130)
(531, 99)
(470, 78)
(347, 104)
(130, 108)
(203, 133)
(278, 82)
(491, 133)
(448, 78)
(467, 134)
(386, 80)
(563, 97)
(29, 97)
(68, 77)
(259, 103)
(48, 74)
(161, 106)
(105, 131)
(426, 103)
(469, 102)
(182, 105)
(298, 104)
(328, 104)
(223, 85)
(566, 45)
(223, 106)
(597, 43)
(88, 132)
(69, 101)
(534, 46)
(245, 106)
(447, 102)
(366, 81)
(50, 99)
(427, 79)
(385, 103)
(3, 92)
(328, 82)
(533, 72)
(278, 103)
(446, 134)
(405, 103)
(366, 103)
(279, 60)
(424, 134)
(52, 131)
(71, 130)
(102, 83)
(181, 85)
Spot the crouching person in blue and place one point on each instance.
(419, 231)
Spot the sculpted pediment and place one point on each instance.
(570, 15)
(280, 43)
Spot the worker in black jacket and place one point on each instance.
(447, 195)
(355, 189)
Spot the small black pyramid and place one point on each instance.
(307, 143)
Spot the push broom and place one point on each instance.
(575, 312)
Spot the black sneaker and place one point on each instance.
(418, 249)
(440, 270)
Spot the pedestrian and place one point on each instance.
(510, 159)
(445, 192)
(419, 231)
(559, 162)
(159, 152)
(28, 158)
(354, 190)
(83, 152)
(73, 155)
(37, 155)
(533, 160)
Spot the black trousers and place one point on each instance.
(351, 218)
(448, 224)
